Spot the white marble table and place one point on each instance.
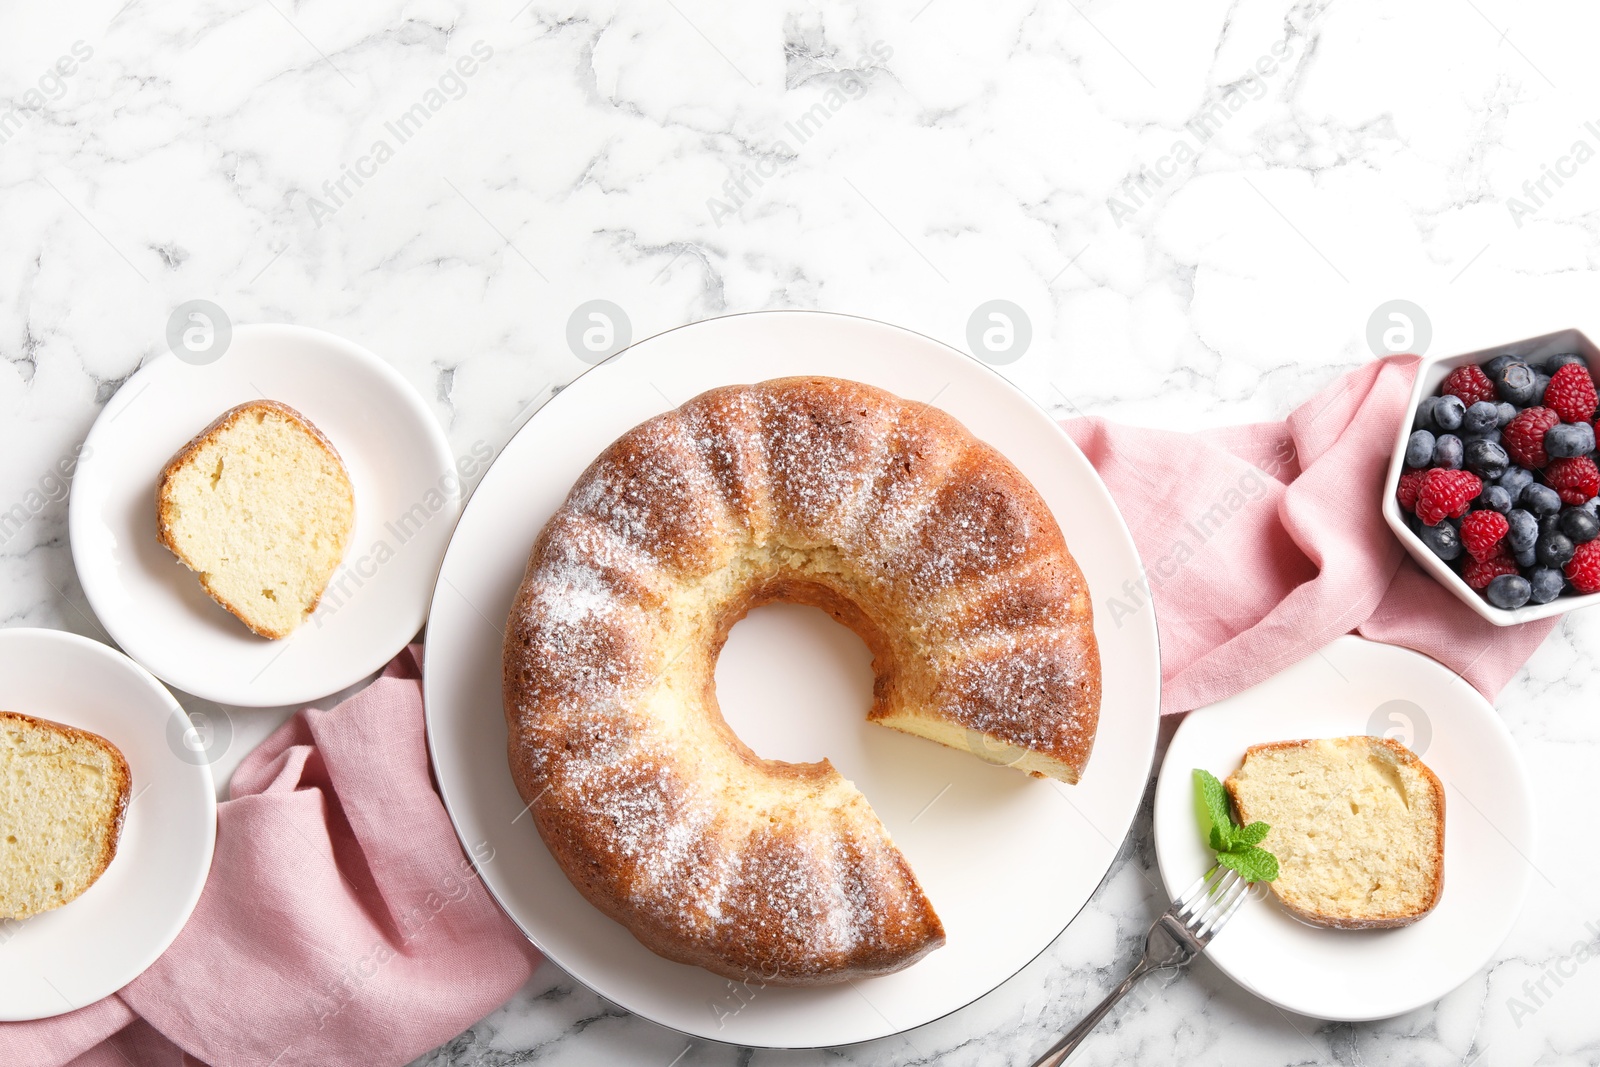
(1198, 206)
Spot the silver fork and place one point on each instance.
(1174, 939)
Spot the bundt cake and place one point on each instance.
(888, 514)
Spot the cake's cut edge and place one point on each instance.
(987, 747)
(256, 621)
(109, 825)
(1343, 916)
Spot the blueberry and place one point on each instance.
(1547, 584)
(1526, 558)
(1484, 458)
(1516, 383)
(1554, 549)
(1568, 439)
(1492, 435)
(1515, 480)
(1493, 369)
(1447, 451)
(1423, 420)
(1448, 412)
(1579, 525)
(1444, 539)
(1541, 382)
(1419, 450)
(1549, 524)
(1555, 363)
(1494, 498)
(1507, 413)
(1540, 499)
(1524, 530)
(1509, 591)
(1481, 418)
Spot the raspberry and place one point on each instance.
(1410, 482)
(1470, 384)
(1484, 532)
(1583, 569)
(1523, 437)
(1480, 572)
(1577, 480)
(1446, 493)
(1571, 394)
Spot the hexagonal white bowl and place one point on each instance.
(1430, 375)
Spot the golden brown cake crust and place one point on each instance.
(889, 515)
(187, 453)
(1379, 922)
(119, 766)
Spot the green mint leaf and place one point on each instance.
(1253, 864)
(1215, 801)
(1236, 846)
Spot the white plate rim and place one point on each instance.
(81, 645)
(1154, 639)
(1173, 778)
(93, 575)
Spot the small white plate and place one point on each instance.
(62, 960)
(408, 496)
(1007, 860)
(1351, 687)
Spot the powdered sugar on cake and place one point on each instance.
(951, 563)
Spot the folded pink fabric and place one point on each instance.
(342, 922)
(1263, 543)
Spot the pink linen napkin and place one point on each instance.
(342, 922)
(1262, 543)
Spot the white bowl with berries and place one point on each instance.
(1494, 487)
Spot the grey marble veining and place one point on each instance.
(1198, 207)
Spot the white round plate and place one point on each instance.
(407, 495)
(1007, 860)
(1351, 687)
(61, 960)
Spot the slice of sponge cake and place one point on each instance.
(260, 507)
(63, 792)
(1357, 826)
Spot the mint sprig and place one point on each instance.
(1237, 847)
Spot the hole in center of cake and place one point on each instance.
(794, 684)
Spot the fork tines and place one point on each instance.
(1211, 901)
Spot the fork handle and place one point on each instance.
(1068, 1045)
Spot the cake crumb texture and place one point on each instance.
(63, 792)
(1357, 827)
(260, 507)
